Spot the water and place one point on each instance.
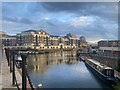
(61, 70)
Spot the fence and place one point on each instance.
(15, 62)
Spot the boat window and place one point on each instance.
(110, 72)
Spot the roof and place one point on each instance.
(29, 31)
(71, 35)
(110, 48)
(109, 41)
(41, 30)
(54, 36)
(99, 64)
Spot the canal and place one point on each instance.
(61, 69)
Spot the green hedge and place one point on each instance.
(116, 86)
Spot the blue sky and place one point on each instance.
(95, 21)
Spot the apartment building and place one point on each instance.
(109, 48)
(109, 43)
(82, 42)
(39, 39)
(72, 40)
(7, 40)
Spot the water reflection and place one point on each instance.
(40, 62)
(61, 70)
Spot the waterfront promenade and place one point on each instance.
(6, 76)
(0, 79)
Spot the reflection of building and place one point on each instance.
(41, 62)
(37, 63)
(39, 39)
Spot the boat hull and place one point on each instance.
(100, 76)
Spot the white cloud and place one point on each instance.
(47, 18)
(13, 27)
(81, 21)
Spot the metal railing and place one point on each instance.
(13, 63)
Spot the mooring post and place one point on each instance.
(24, 71)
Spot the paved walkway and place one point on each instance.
(0, 80)
(0, 69)
(6, 76)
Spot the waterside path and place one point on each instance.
(6, 76)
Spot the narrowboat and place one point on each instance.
(83, 58)
(103, 72)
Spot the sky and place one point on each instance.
(94, 20)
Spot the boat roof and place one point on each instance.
(99, 64)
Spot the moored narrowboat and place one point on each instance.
(104, 72)
(83, 58)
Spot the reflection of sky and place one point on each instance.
(63, 75)
(67, 76)
(95, 21)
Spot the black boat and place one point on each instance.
(83, 58)
(104, 72)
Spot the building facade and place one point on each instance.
(82, 42)
(109, 43)
(8, 40)
(109, 48)
(39, 39)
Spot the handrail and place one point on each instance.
(17, 83)
(8, 53)
(31, 85)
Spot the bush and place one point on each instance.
(118, 68)
(116, 86)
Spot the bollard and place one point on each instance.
(24, 71)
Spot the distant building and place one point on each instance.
(32, 38)
(8, 40)
(83, 42)
(39, 39)
(19, 39)
(72, 40)
(1, 38)
(109, 48)
(94, 49)
(109, 43)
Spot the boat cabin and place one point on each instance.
(108, 72)
(101, 68)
